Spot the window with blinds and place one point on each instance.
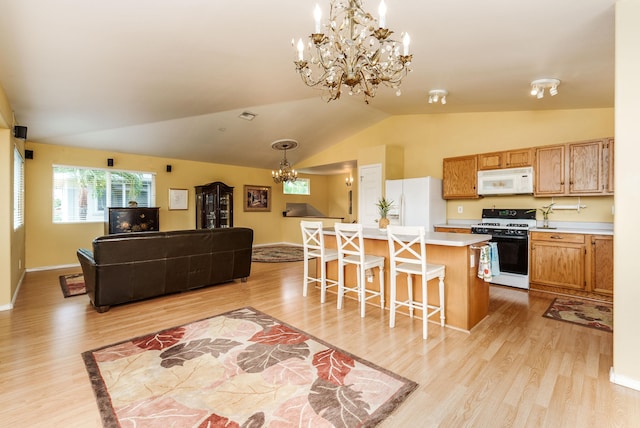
(83, 194)
(299, 187)
(18, 189)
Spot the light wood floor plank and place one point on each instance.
(516, 368)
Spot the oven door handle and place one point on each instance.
(507, 238)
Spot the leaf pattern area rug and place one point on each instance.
(581, 312)
(240, 368)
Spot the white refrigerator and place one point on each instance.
(416, 202)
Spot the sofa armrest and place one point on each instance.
(88, 265)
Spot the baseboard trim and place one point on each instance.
(11, 305)
(623, 380)
(41, 268)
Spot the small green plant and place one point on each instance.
(545, 213)
(544, 210)
(384, 206)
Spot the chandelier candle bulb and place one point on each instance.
(405, 42)
(317, 15)
(300, 50)
(382, 10)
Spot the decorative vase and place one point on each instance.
(383, 223)
(545, 222)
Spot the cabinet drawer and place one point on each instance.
(574, 238)
(453, 229)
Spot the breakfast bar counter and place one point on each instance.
(466, 295)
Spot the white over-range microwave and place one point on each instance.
(509, 181)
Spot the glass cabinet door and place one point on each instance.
(214, 206)
(225, 213)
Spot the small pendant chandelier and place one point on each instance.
(353, 50)
(285, 172)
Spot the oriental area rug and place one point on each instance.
(588, 314)
(241, 368)
(277, 254)
(72, 285)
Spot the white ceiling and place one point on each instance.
(170, 77)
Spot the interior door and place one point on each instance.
(369, 192)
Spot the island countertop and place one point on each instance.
(431, 238)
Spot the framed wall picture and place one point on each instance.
(257, 198)
(178, 199)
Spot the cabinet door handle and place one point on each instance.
(556, 237)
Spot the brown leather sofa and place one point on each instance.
(134, 266)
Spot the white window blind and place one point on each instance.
(82, 194)
(18, 189)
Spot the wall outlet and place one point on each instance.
(19, 263)
(460, 209)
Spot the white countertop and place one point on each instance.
(585, 228)
(431, 238)
(573, 230)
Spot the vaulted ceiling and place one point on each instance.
(170, 78)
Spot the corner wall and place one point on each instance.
(626, 317)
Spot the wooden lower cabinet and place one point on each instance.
(558, 259)
(573, 264)
(601, 261)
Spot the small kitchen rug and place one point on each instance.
(72, 285)
(240, 368)
(588, 314)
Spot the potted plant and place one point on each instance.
(383, 209)
(545, 214)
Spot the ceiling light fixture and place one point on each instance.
(247, 115)
(355, 50)
(436, 95)
(285, 172)
(538, 87)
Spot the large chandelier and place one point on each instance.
(353, 49)
(285, 172)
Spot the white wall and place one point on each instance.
(626, 340)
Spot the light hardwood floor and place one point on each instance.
(515, 368)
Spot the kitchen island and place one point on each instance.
(466, 295)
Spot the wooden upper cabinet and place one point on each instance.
(518, 158)
(506, 159)
(490, 161)
(550, 171)
(585, 167)
(582, 168)
(460, 177)
(607, 162)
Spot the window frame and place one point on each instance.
(99, 205)
(18, 189)
(301, 180)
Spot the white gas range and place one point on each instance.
(509, 228)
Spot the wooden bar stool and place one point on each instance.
(313, 242)
(405, 259)
(351, 252)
